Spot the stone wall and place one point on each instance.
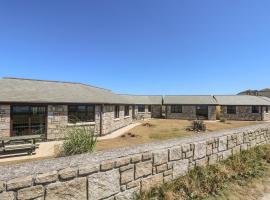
(243, 113)
(57, 121)
(117, 174)
(4, 120)
(109, 123)
(212, 112)
(189, 113)
(266, 115)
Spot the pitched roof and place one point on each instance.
(190, 99)
(241, 100)
(40, 91)
(143, 99)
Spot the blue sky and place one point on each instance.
(140, 47)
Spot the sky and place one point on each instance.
(139, 47)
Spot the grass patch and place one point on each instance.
(211, 181)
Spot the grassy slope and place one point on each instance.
(241, 177)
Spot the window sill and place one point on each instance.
(116, 119)
(81, 124)
(126, 117)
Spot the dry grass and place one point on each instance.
(160, 129)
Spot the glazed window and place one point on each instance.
(141, 108)
(81, 113)
(231, 109)
(176, 109)
(255, 109)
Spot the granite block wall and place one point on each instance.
(119, 173)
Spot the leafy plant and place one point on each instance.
(222, 120)
(78, 140)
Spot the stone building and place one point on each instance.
(190, 107)
(47, 107)
(145, 106)
(244, 107)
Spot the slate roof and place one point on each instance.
(40, 91)
(143, 99)
(189, 100)
(241, 100)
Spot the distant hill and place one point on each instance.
(264, 92)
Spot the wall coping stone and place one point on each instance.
(33, 168)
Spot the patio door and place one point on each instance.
(202, 112)
(28, 120)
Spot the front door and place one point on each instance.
(202, 112)
(28, 120)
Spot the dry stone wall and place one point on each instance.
(119, 173)
(4, 120)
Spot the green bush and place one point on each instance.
(222, 120)
(204, 182)
(78, 140)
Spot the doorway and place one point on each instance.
(202, 112)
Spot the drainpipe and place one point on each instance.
(101, 119)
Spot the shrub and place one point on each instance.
(222, 120)
(78, 140)
(197, 126)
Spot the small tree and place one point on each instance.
(78, 140)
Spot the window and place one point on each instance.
(126, 110)
(149, 108)
(255, 109)
(176, 109)
(28, 120)
(116, 112)
(231, 109)
(267, 109)
(81, 113)
(141, 108)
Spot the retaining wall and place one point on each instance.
(118, 173)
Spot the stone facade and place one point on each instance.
(243, 113)
(110, 123)
(156, 111)
(143, 115)
(266, 114)
(4, 120)
(118, 174)
(189, 113)
(57, 121)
